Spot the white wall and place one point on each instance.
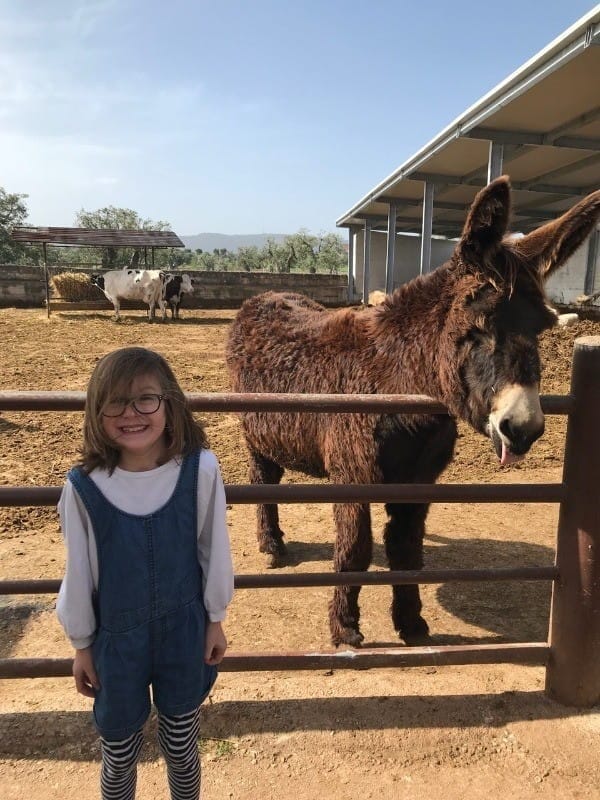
(564, 287)
(407, 258)
(567, 283)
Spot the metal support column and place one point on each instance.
(589, 283)
(495, 159)
(391, 249)
(426, 228)
(351, 234)
(366, 262)
(46, 279)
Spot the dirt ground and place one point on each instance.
(412, 733)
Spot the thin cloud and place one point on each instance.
(87, 14)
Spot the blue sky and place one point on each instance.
(241, 117)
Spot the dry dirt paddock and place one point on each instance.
(416, 733)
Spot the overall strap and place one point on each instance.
(87, 490)
(188, 478)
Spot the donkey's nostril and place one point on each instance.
(519, 438)
(506, 428)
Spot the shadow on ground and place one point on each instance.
(71, 736)
(14, 618)
(512, 610)
(128, 320)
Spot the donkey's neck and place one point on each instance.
(408, 330)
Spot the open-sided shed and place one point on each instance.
(541, 125)
(94, 237)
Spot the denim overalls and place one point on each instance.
(149, 607)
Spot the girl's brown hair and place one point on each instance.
(111, 379)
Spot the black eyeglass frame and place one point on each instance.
(131, 402)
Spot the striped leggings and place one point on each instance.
(178, 740)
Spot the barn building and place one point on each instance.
(541, 126)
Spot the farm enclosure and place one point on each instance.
(380, 733)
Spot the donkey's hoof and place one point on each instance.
(276, 552)
(272, 546)
(347, 636)
(415, 633)
(276, 560)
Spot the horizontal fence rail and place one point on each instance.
(536, 653)
(359, 403)
(532, 653)
(303, 580)
(243, 494)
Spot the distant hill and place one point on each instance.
(212, 241)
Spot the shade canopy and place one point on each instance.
(96, 237)
(544, 123)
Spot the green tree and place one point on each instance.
(248, 259)
(276, 257)
(331, 254)
(13, 213)
(302, 252)
(118, 219)
(177, 257)
(304, 247)
(207, 261)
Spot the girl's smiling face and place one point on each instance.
(140, 438)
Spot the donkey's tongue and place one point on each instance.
(508, 457)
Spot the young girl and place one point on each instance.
(149, 573)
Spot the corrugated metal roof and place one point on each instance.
(547, 115)
(98, 237)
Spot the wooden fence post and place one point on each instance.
(573, 673)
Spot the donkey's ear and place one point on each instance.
(486, 223)
(551, 245)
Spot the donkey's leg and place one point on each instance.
(415, 457)
(352, 552)
(268, 532)
(403, 537)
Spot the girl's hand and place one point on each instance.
(216, 643)
(84, 672)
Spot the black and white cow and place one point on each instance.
(175, 286)
(133, 284)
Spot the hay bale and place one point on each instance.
(376, 297)
(75, 286)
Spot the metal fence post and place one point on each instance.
(573, 673)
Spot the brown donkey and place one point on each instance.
(466, 335)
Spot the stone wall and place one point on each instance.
(24, 286)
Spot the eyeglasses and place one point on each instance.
(143, 404)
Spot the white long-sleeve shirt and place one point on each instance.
(141, 493)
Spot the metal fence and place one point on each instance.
(571, 654)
